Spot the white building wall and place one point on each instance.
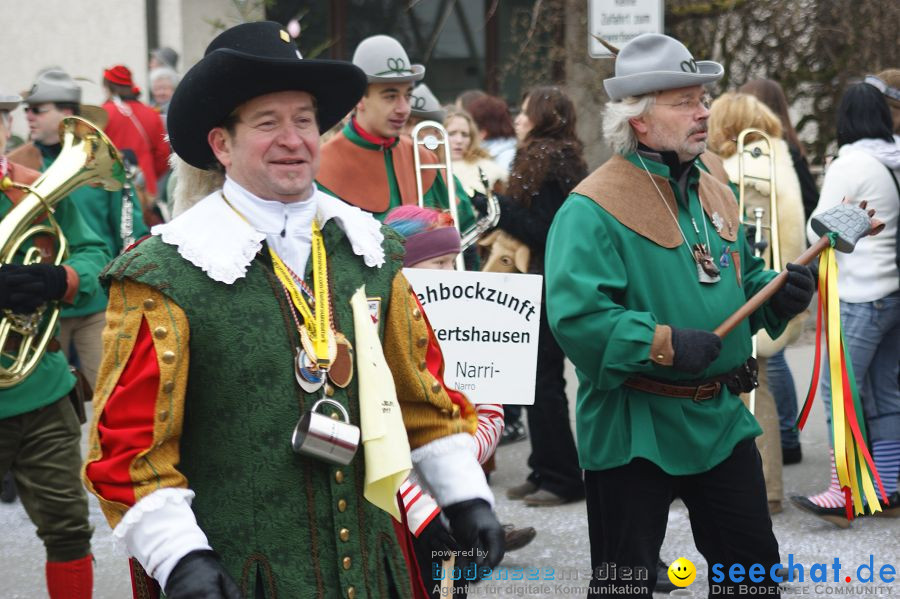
(86, 36)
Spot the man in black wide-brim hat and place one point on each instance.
(231, 321)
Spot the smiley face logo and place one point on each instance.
(682, 572)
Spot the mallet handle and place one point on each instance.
(769, 290)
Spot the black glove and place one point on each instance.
(794, 297)
(437, 538)
(200, 575)
(694, 349)
(475, 527)
(24, 288)
(479, 202)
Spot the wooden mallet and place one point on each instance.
(851, 223)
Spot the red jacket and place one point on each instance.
(143, 133)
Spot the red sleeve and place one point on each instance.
(125, 428)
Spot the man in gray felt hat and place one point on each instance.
(369, 163)
(54, 96)
(645, 257)
(424, 106)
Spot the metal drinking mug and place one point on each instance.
(326, 438)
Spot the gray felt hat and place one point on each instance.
(54, 85)
(9, 101)
(654, 62)
(384, 60)
(425, 105)
(167, 56)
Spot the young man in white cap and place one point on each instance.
(370, 164)
(659, 414)
(233, 323)
(40, 431)
(54, 96)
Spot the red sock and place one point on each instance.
(71, 580)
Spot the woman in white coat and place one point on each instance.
(730, 114)
(867, 168)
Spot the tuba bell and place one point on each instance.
(87, 157)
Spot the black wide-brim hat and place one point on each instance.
(242, 63)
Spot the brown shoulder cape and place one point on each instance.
(357, 175)
(28, 156)
(630, 196)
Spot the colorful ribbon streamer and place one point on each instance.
(854, 464)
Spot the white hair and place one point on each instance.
(164, 72)
(617, 131)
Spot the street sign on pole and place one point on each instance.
(618, 21)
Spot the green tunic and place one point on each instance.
(102, 211)
(435, 197)
(52, 380)
(607, 289)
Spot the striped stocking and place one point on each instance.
(887, 461)
(832, 497)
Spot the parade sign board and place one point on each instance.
(619, 21)
(487, 324)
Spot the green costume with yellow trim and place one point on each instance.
(617, 267)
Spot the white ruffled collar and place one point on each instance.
(216, 239)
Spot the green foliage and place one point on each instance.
(813, 48)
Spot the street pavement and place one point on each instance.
(561, 549)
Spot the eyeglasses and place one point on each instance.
(691, 104)
(37, 109)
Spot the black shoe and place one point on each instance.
(663, 584)
(891, 507)
(834, 515)
(791, 455)
(8, 488)
(512, 433)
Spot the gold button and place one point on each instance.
(168, 357)
(339, 476)
(163, 415)
(335, 416)
(160, 332)
(342, 505)
(417, 314)
(329, 390)
(344, 535)
(168, 386)
(351, 592)
(660, 357)
(422, 342)
(149, 304)
(436, 386)
(346, 562)
(423, 365)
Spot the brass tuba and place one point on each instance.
(87, 157)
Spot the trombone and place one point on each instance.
(763, 148)
(433, 142)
